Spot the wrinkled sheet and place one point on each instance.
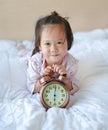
(19, 110)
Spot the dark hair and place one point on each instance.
(54, 18)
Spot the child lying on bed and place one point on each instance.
(53, 39)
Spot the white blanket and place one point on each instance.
(19, 110)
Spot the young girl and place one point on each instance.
(53, 39)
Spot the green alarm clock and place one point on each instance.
(54, 93)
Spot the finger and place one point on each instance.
(48, 70)
(49, 67)
(55, 68)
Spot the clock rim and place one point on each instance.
(57, 82)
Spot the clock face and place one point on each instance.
(55, 95)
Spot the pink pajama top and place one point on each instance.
(36, 65)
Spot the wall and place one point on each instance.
(18, 17)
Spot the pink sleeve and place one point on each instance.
(32, 74)
(72, 68)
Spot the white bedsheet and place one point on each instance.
(20, 110)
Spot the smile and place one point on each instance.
(55, 55)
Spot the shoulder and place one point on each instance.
(71, 64)
(36, 60)
(69, 59)
(36, 57)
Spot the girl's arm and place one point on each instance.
(33, 76)
(37, 87)
(47, 71)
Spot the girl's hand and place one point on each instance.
(62, 71)
(59, 69)
(47, 71)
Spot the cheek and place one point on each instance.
(45, 53)
(64, 52)
(42, 49)
(65, 46)
(64, 49)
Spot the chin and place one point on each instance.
(55, 62)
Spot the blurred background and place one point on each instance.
(18, 17)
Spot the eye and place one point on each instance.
(47, 44)
(60, 42)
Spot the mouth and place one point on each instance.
(55, 55)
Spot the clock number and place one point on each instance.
(47, 99)
(59, 103)
(46, 95)
(61, 99)
(54, 104)
(62, 91)
(58, 87)
(47, 91)
(63, 95)
(50, 88)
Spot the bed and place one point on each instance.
(19, 110)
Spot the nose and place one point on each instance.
(54, 48)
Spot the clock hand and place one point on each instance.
(54, 93)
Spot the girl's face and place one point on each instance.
(53, 43)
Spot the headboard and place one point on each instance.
(17, 18)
